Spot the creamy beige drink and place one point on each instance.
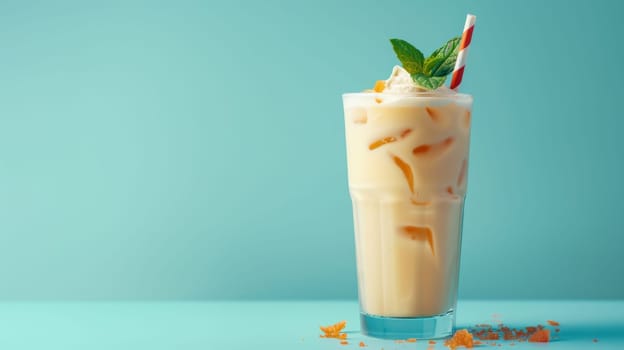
(407, 152)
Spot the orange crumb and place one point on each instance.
(398, 341)
(380, 85)
(531, 329)
(541, 336)
(411, 340)
(460, 338)
(449, 190)
(344, 342)
(378, 100)
(335, 328)
(553, 323)
(362, 344)
(432, 342)
(595, 340)
(476, 342)
(333, 331)
(492, 336)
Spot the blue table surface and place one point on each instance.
(277, 325)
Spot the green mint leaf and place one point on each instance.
(432, 63)
(442, 61)
(428, 82)
(411, 58)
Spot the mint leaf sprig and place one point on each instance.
(428, 73)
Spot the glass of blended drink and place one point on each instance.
(407, 152)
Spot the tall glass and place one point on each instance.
(408, 162)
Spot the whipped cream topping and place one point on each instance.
(400, 82)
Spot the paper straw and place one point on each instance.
(460, 64)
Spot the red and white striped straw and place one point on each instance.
(458, 72)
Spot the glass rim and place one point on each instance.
(424, 94)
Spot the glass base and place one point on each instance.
(432, 327)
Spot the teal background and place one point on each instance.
(195, 149)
